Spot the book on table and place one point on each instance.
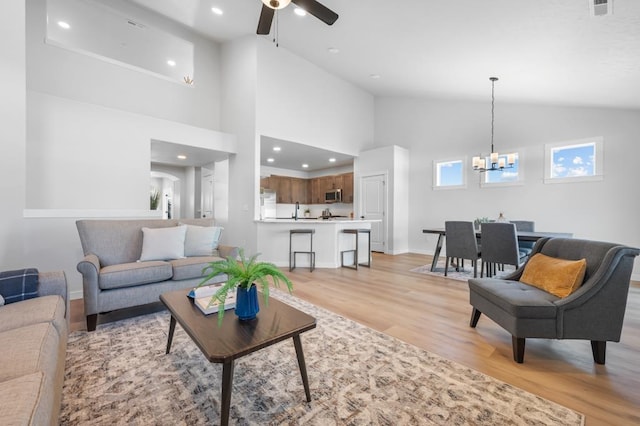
(202, 297)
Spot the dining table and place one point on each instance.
(522, 236)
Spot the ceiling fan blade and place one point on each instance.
(321, 12)
(266, 17)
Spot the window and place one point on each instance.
(509, 176)
(449, 174)
(574, 161)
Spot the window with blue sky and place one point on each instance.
(449, 174)
(574, 160)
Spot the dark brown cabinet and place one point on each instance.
(308, 191)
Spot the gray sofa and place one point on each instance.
(33, 345)
(112, 276)
(595, 311)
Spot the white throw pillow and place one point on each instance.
(201, 240)
(163, 243)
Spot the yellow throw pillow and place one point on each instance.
(559, 277)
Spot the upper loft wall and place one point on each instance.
(297, 101)
(64, 73)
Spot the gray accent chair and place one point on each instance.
(527, 226)
(594, 312)
(499, 246)
(461, 244)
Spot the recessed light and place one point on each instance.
(374, 76)
(333, 50)
(171, 63)
(270, 160)
(64, 25)
(182, 157)
(305, 166)
(276, 148)
(300, 11)
(217, 10)
(332, 160)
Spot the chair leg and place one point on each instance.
(475, 268)
(446, 265)
(599, 349)
(92, 322)
(518, 349)
(475, 316)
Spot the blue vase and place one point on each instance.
(247, 306)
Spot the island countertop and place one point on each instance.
(315, 221)
(328, 240)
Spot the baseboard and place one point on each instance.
(73, 295)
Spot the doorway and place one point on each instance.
(373, 206)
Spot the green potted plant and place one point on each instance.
(243, 275)
(154, 199)
(307, 212)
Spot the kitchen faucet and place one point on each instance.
(297, 207)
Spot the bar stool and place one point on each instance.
(357, 233)
(311, 253)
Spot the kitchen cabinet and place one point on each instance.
(317, 195)
(308, 191)
(265, 182)
(347, 188)
(299, 191)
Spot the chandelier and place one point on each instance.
(496, 163)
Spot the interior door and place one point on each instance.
(373, 207)
(207, 193)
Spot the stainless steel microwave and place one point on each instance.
(333, 196)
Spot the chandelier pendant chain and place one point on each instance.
(494, 162)
(493, 101)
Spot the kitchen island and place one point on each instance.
(328, 241)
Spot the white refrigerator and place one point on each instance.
(268, 204)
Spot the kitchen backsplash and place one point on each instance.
(336, 209)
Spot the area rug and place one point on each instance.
(462, 275)
(119, 374)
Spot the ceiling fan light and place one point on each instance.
(276, 4)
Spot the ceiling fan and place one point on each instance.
(269, 8)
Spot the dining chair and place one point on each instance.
(461, 244)
(527, 226)
(499, 247)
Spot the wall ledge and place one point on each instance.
(92, 213)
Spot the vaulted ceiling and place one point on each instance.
(543, 51)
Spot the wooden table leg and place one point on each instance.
(227, 386)
(436, 254)
(172, 328)
(303, 366)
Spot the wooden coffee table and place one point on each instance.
(234, 338)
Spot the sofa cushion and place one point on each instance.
(27, 400)
(18, 285)
(557, 276)
(191, 267)
(32, 311)
(518, 299)
(163, 243)
(133, 274)
(201, 240)
(29, 349)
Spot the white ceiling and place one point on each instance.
(543, 51)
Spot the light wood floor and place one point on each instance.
(433, 313)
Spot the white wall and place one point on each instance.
(239, 74)
(64, 73)
(432, 130)
(297, 101)
(13, 125)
